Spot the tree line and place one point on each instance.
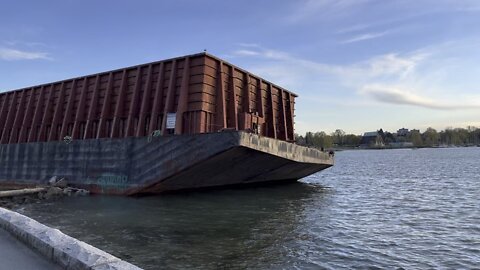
(429, 138)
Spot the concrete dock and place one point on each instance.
(16, 255)
(51, 244)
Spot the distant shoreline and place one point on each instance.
(390, 148)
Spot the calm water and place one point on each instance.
(415, 209)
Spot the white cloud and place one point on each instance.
(245, 53)
(31, 44)
(403, 79)
(363, 37)
(14, 54)
(308, 9)
(399, 96)
(284, 68)
(291, 71)
(354, 28)
(263, 53)
(392, 64)
(466, 5)
(254, 45)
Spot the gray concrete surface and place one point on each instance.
(58, 247)
(16, 255)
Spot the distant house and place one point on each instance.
(403, 132)
(372, 139)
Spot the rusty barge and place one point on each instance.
(183, 123)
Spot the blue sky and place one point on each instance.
(357, 65)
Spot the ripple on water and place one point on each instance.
(373, 210)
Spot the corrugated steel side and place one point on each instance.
(205, 93)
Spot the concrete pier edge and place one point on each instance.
(62, 249)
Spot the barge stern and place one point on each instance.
(160, 164)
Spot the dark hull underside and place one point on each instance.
(159, 164)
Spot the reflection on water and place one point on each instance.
(217, 229)
(374, 209)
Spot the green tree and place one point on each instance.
(473, 137)
(463, 136)
(352, 140)
(389, 138)
(338, 137)
(322, 140)
(309, 138)
(430, 137)
(416, 138)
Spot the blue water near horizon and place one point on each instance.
(375, 209)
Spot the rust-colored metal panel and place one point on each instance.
(78, 126)
(169, 100)
(202, 92)
(47, 111)
(144, 107)
(117, 118)
(27, 117)
(155, 115)
(54, 135)
(18, 116)
(32, 136)
(67, 114)
(220, 112)
(183, 98)
(91, 116)
(10, 113)
(102, 131)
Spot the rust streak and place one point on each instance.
(233, 106)
(133, 103)
(3, 139)
(145, 102)
(3, 111)
(33, 135)
(3, 108)
(92, 108)
(291, 103)
(221, 115)
(119, 105)
(105, 107)
(273, 118)
(27, 117)
(157, 100)
(284, 116)
(46, 113)
(246, 94)
(170, 96)
(68, 111)
(260, 105)
(56, 114)
(79, 116)
(183, 98)
(18, 117)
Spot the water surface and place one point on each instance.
(412, 209)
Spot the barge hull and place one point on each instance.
(138, 165)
